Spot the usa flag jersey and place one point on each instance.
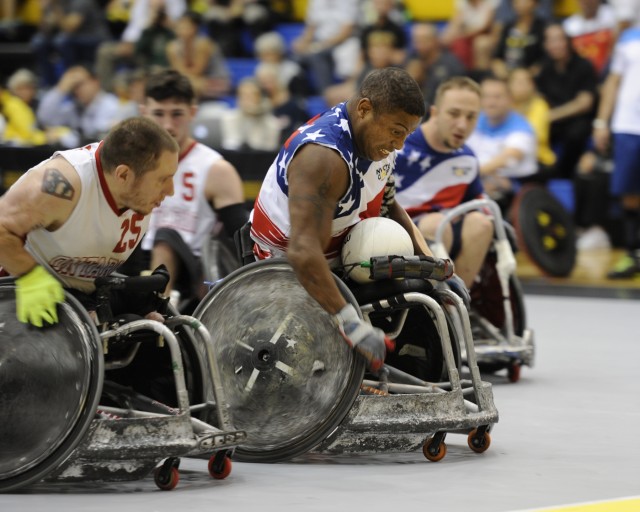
(428, 181)
(270, 222)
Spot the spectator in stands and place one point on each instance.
(503, 141)
(618, 115)
(23, 83)
(251, 125)
(528, 102)
(18, 20)
(207, 189)
(193, 54)
(20, 127)
(128, 86)
(288, 109)
(592, 31)
(150, 51)
(386, 20)
(230, 21)
(72, 30)
(271, 48)
(470, 34)
(627, 13)
(79, 104)
(327, 46)
(521, 40)
(429, 63)
(568, 83)
(158, 15)
(592, 200)
(379, 53)
(505, 12)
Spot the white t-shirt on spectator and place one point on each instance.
(626, 63)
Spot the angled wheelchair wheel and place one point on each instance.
(545, 230)
(51, 379)
(288, 376)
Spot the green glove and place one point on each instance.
(37, 294)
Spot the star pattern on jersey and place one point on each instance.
(413, 157)
(314, 135)
(344, 124)
(425, 163)
(398, 180)
(345, 207)
(282, 165)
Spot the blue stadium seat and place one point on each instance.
(240, 68)
(289, 31)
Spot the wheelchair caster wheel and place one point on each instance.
(166, 478)
(434, 452)
(513, 372)
(220, 470)
(479, 442)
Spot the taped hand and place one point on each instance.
(37, 295)
(365, 339)
(459, 288)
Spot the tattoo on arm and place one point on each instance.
(55, 184)
(318, 200)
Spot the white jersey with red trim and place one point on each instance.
(428, 180)
(96, 238)
(187, 210)
(270, 222)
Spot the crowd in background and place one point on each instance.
(90, 59)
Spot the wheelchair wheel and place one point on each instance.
(51, 379)
(418, 346)
(486, 301)
(545, 230)
(219, 257)
(288, 376)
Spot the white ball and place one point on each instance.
(375, 236)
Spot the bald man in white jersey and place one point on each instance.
(80, 214)
(208, 188)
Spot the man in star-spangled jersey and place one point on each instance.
(329, 175)
(436, 171)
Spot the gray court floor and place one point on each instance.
(568, 433)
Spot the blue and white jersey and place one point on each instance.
(626, 63)
(488, 141)
(270, 222)
(428, 180)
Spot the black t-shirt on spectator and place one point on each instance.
(521, 50)
(560, 87)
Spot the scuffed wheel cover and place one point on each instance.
(288, 376)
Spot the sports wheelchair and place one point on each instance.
(497, 312)
(113, 400)
(294, 385)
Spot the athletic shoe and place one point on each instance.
(626, 268)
